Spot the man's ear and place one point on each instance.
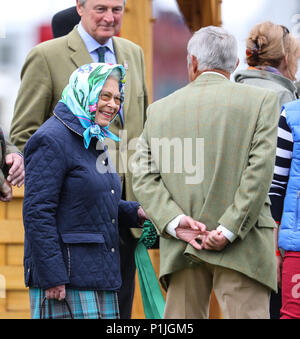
(194, 64)
(79, 8)
(237, 63)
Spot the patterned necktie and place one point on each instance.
(101, 53)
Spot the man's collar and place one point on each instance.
(91, 43)
(213, 72)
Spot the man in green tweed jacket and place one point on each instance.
(207, 154)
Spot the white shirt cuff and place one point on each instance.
(173, 224)
(227, 234)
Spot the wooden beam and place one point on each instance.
(201, 13)
(14, 277)
(11, 231)
(137, 27)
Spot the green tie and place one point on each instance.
(101, 53)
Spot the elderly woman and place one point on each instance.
(72, 203)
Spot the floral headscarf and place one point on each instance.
(81, 97)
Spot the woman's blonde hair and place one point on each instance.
(268, 44)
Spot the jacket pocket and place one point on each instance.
(83, 238)
(89, 248)
(266, 221)
(265, 217)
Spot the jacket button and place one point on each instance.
(112, 191)
(113, 250)
(113, 221)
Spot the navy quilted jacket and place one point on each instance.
(72, 209)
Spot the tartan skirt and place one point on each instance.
(82, 305)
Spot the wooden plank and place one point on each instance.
(18, 192)
(137, 27)
(2, 305)
(11, 231)
(2, 255)
(137, 307)
(3, 286)
(199, 13)
(18, 301)
(2, 210)
(14, 277)
(14, 209)
(15, 315)
(14, 255)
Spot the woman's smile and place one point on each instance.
(106, 114)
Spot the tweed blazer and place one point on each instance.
(45, 74)
(208, 151)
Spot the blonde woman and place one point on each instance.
(272, 55)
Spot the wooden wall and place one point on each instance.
(137, 27)
(14, 299)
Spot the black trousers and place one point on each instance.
(275, 305)
(127, 247)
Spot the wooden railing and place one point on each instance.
(14, 299)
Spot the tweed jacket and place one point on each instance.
(208, 151)
(284, 87)
(45, 74)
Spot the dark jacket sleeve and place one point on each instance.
(128, 216)
(45, 168)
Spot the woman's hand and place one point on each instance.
(16, 172)
(142, 215)
(57, 292)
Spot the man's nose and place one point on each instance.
(109, 17)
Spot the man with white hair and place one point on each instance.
(45, 74)
(206, 157)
